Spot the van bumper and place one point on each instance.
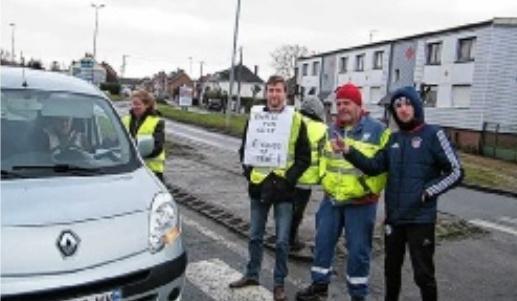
(160, 282)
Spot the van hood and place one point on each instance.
(65, 225)
(62, 200)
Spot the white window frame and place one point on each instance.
(466, 55)
(343, 64)
(434, 53)
(378, 59)
(315, 68)
(359, 62)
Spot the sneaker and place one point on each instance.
(279, 293)
(243, 282)
(313, 292)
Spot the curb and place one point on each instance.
(489, 190)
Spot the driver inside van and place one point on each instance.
(62, 135)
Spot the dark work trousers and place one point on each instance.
(301, 198)
(420, 239)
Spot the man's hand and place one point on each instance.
(425, 196)
(338, 145)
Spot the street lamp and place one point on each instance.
(96, 30)
(13, 25)
(232, 70)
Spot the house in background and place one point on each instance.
(248, 81)
(177, 79)
(466, 74)
(247, 85)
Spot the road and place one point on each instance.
(483, 267)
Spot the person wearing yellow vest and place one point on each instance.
(350, 200)
(144, 120)
(313, 113)
(274, 187)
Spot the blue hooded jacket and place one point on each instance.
(420, 162)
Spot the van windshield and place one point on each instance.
(60, 134)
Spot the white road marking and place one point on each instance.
(493, 226)
(238, 249)
(212, 277)
(227, 243)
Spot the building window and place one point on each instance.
(429, 95)
(396, 78)
(461, 96)
(375, 94)
(343, 62)
(305, 69)
(315, 68)
(466, 49)
(359, 62)
(377, 59)
(434, 53)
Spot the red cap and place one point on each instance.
(349, 91)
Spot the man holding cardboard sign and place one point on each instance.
(275, 152)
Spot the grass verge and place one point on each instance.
(488, 172)
(210, 121)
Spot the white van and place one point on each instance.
(82, 217)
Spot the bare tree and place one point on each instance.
(284, 58)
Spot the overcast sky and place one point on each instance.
(163, 34)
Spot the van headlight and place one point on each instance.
(164, 225)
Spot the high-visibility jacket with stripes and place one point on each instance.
(341, 180)
(317, 133)
(258, 174)
(155, 164)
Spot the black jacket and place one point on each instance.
(418, 162)
(158, 134)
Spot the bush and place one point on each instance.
(248, 102)
(113, 88)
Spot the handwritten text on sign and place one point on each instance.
(267, 139)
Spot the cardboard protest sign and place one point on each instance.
(267, 141)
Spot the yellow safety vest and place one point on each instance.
(156, 164)
(258, 174)
(345, 183)
(316, 131)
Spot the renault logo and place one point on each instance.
(67, 243)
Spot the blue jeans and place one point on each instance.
(283, 216)
(358, 222)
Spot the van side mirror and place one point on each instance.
(145, 145)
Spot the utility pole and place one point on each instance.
(96, 30)
(123, 67)
(13, 25)
(239, 77)
(201, 63)
(190, 65)
(232, 71)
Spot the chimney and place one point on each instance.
(255, 69)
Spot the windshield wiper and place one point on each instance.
(61, 168)
(7, 174)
